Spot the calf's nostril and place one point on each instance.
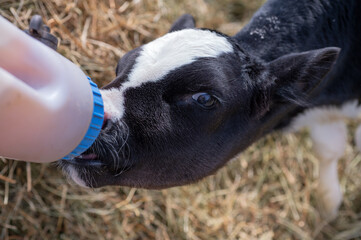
(105, 123)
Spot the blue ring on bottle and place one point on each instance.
(95, 124)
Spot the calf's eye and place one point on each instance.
(205, 100)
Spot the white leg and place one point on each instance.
(330, 141)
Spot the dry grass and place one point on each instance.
(267, 193)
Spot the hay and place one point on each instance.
(267, 193)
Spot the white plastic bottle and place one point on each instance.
(48, 109)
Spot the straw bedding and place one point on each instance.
(268, 192)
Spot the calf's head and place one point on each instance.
(184, 104)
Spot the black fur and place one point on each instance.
(166, 139)
(184, 22)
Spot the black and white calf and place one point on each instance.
(184, 104)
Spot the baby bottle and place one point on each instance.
(49, 109)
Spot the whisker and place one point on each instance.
(112, 149)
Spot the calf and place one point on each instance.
(184, 104)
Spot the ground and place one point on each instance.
(268, 192)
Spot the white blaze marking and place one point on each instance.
(160, 57)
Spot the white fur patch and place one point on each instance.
(327, 114)
(329, 142)
(160, 57)
(73, 174)
(329, 134)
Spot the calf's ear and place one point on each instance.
(183, 22)
(298, 74)
(293, 78)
